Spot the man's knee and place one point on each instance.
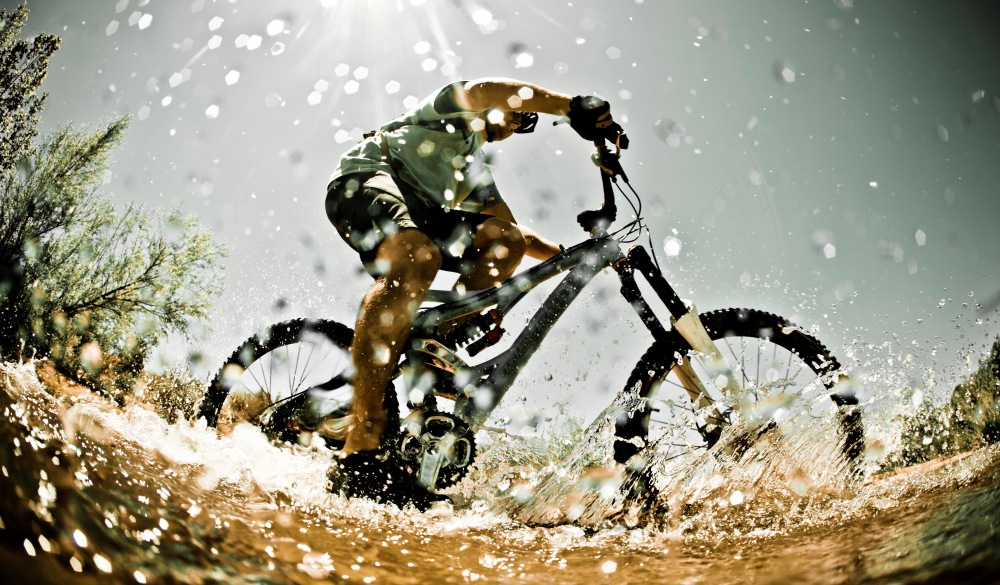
(505, 241)
(409, 255)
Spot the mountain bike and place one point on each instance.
(707, 370)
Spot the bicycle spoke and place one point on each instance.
(758, 372)
(677, 384)
(743, 371)
(776, 375)
(270, 372)
(253, 375)
(289, 370)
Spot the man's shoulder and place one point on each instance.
(444, 101)
(435, 111)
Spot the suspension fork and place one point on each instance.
(685, 320)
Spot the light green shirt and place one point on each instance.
(433, 149)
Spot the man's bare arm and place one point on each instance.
(511, 95)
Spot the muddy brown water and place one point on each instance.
(90, 493)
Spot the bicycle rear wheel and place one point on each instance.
(774, 362)
(288, 379)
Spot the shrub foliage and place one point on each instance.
(970, 419)
(22, 68)
(90, 286)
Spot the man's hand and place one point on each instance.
(591, 117)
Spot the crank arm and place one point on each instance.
(433, 460)
(430, 468)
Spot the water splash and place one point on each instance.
(91, 488)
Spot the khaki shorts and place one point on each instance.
(368, 208)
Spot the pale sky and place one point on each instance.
(831, 161)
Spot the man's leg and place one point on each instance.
(384, 322)
(498, 248)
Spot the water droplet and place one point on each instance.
(672, 246)
(481, 16)
(784, 72)
(519, 56)
(80, 538)
(102, 563)
(942, 133)
(275, 27)
(670, 132)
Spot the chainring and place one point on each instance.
(423, 431)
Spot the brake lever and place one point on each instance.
(608, 162)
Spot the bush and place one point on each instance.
(88, 286)
(95, 289)
(969, 420)
(174, 393)
(22, 68)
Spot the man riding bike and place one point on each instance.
(412, 198)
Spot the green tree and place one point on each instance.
(100, 286)
(80, 282)
(23, 65)
(22, 68)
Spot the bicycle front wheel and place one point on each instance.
(287, 379)
(773, 361)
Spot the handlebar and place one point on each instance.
(611, 169)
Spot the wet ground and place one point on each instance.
(94, 493)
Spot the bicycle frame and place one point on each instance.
(488, 382)
(494, 377)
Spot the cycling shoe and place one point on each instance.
(373, 475)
